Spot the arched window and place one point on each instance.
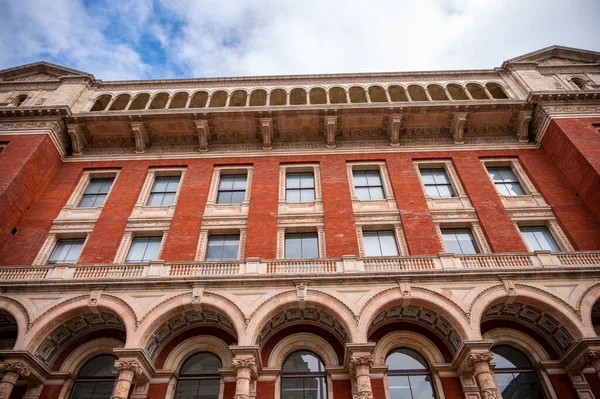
(515, 375)
(199, 377)
(96, 379)
(408, 375)
(303, 377)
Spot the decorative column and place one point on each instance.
(592, 357)
(245, 369)
(125, 371)
(362, 372)
(11, 371)
(487, 382)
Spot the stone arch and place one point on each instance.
(588, 306)
(238, 98)
(199, 99)
(377, 94)
(19, 314)
(457, 92)
(86, 352)
(258, 98)
(101, 103)
(477, 92)
(520, 341)
(78, 306)
(159, 101)
(140, 101)
(437, 92)
(496, 90)
(289, 300)
(397, 93)
(318, 95)
(177, 305)
(406, 339)
(179, 100)
(417, 93)
(337, 95)
(298, 96)
(193, 345)
(278, 97)
(357, 95)
(120, 102)
(302, 341)
(218, 99)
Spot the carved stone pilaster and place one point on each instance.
(141, 136)
(266, 131)
(361, 365)
(459, 122)
(203, 134)
(245, 369)
(11, 373)
(480, 362)
(394, 126)
(78, 140)
(522, 125)
(331, 130)
(126, 371)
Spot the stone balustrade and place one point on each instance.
(348, 264)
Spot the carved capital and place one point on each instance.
(459, 122)
(78, 140)
(479, 358)
(363, 395)
(266, 132)
(357, 361)
(590, 357)
(491, 393)
(245, 365)
(331, 130)
(522, 125)
(203, 134)
(132, 365)
(141, 136)
(394, 126)
(17, 368)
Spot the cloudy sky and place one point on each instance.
(135, 39)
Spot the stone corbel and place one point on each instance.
(522, 127)
(331, 130)
(203, 133)
(141, 136)
(459, 122)
(394, 129)
(95, 294)
(78, 140)
(301, 291)
(197, 293)
(405, 291)
(266, 131)
(510, 287)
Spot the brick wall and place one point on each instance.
(342, 389)
(53, 391)
(452, 388)
(265, 389)
(157, 391)
(594, 382)
(563, 386)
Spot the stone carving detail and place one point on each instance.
(203, 130)
(591, 357)
(395, 124)
(141, 136)
(93, 300)
(301, 291)
(331, 130)
(197, 293)
(126, 371)
(361, 365)
(459, 122)
(405, 291)
(132, 365)
(12, 372)
(356, 361)
(266, 131)
(78, 140)
(480, 362)
(509, 286)
(17, 368)
(522, 126)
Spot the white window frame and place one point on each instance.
(52, 239)
(460, 200)
(291, 226)
(300, 207)
(531, 198)
(476, 231)
(141, 210)
(205, 233)
(554, 229)
(214, 209)
(71, 209)
(381, 223)
(148, 229)
(387, 203)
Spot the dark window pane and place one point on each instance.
(101, 366)
(201, 364)
(87, 201)
(303, 362)
(459, 241)
(405, 359)
(224, 197)
(509, 358)
(310, 243)
(514, 189)
(292, 388)
(293, 246)
(66, 251)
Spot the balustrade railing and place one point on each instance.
(398, 264)
(579, 259)
(495, 261)
(108, 271)
(206, 269)
(312, 266)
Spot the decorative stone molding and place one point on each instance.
(197, 293)
(301, 291)
(457, 129)
(17, 368)
(246, 370)
(54, 127)
(93, 300)
(591, 357)
(361, 366)
(522, 125)
(331, 126)
(509, 286)
(266, 132)
(11, 373)
(78, 140)
(394, 125)
(405, 291)
(480, 362)
(203, 130)
(141, 136)
(126, 371)
(131, 365)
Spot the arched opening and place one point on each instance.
(303, 376)
(409, 376)
(258, 98)
(179, 100)
(19, 100)
(377, 94)
(199, 377)
(101, 103)
(477, 91)
(140, 102)
(120, 102)
(238, 98)
(417, 93)
(278, 97)
(397, 94)
(218, 99)
(199, 99)
(596, 317)
(357, 95)
(159, 101)
(298, 96)
(8, 331)
(457, 92)
(515, 375)
(580, 83)
(437, 93)
(337, 95)
(318, 96)
(496, 91)
(96, 379)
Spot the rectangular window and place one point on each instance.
(300, 187)
(505, 181)
(460, 241)
(163, 190)
(367, 184)
(232, 189)
(380, 243)
(538, 238)
(301, 246)
(223, 247)
(66, 250)
(437, 183)
(96, 192)
(144, 249)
